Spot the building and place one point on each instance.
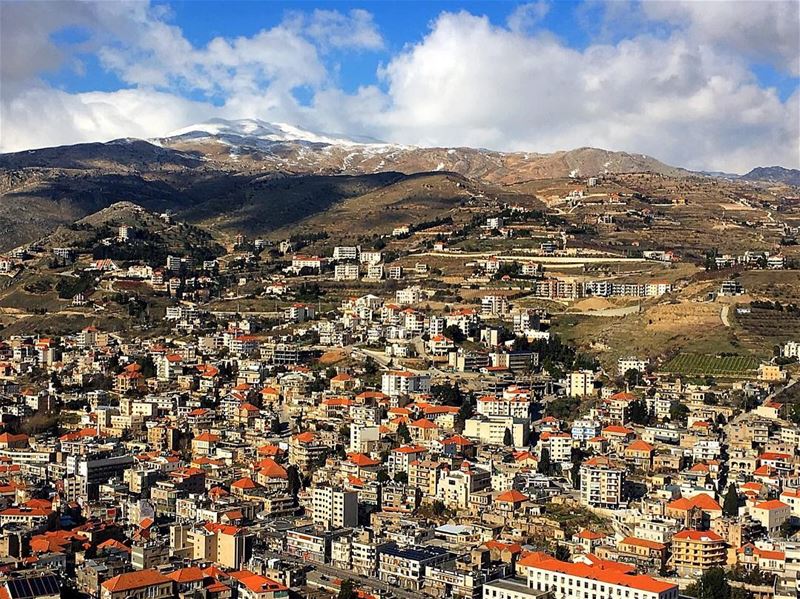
(580, 383)
(346, 252)
(334, 508)
(631, 363)
(400, 382)
(346, 272)
(512, 588)
(405, 567)
(143, 584)
(567, 580)
(601, 483)
(771, 514)
(695, 551)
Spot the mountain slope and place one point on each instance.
(120, 154)
(774, 174)
(257, 144)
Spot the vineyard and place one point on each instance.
(775, 326)
(705, 364)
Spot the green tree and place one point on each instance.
(401, 477)
(633, 377)
(455, 334)
(508, 440)
(678, 412)
(712, 585)
(403, 433)
(730, 506)
(562, 553)
(545, 466)
(638, 412)
(347, 590)
(295, 480)
(383, 476)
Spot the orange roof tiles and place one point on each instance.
(130, 581)
(511, 496)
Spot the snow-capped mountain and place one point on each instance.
(251, 143)
(252, 131)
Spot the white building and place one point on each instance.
(409, 295)
(346, 272)
(791, 349)
(580, 383)
(631, 363)
(601, 483)
(401, 382)
(334, 508)
(568, 580)
(346, 252)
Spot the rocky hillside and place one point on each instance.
(774, 174)
(256, 144)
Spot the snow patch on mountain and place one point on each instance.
(232, 131)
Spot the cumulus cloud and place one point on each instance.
(763, 30)
(668, 97)
(527, 16)
(42, 116)
(687, 95)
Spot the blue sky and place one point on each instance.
(699, 84)
(402, 23)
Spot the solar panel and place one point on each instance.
(30, 588)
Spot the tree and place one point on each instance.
(545, 466)
(730, 506)
(295, 481)
(383, 476)
(562, 553)
(638, 412)
(464, 412)
(712, 585)
(401, 477)
(577, 455)
(633, 377)
(508, 440)
(455, 334)
(403, 433)
(347, 590)
(678, 412)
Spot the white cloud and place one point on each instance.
(333, 29)
(527, 16)
(469, 82)
(688, 98)
(762, 30)
(42, 116)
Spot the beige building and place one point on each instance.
(695, 551)
(144, 584)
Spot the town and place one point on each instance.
(400, 417)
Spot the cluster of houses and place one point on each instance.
(406, 450)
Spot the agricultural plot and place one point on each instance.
(706, 364)
(771, 326)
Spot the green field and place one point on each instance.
(706, 364)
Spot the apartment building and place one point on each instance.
(405, 567)
(334, 508)
(567, 580)
(695, 551)
(601, 483)
(143, 584)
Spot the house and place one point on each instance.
(142, 584)
(696, 551)
(771, 514)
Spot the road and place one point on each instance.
(559, 260)
(723, 315)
